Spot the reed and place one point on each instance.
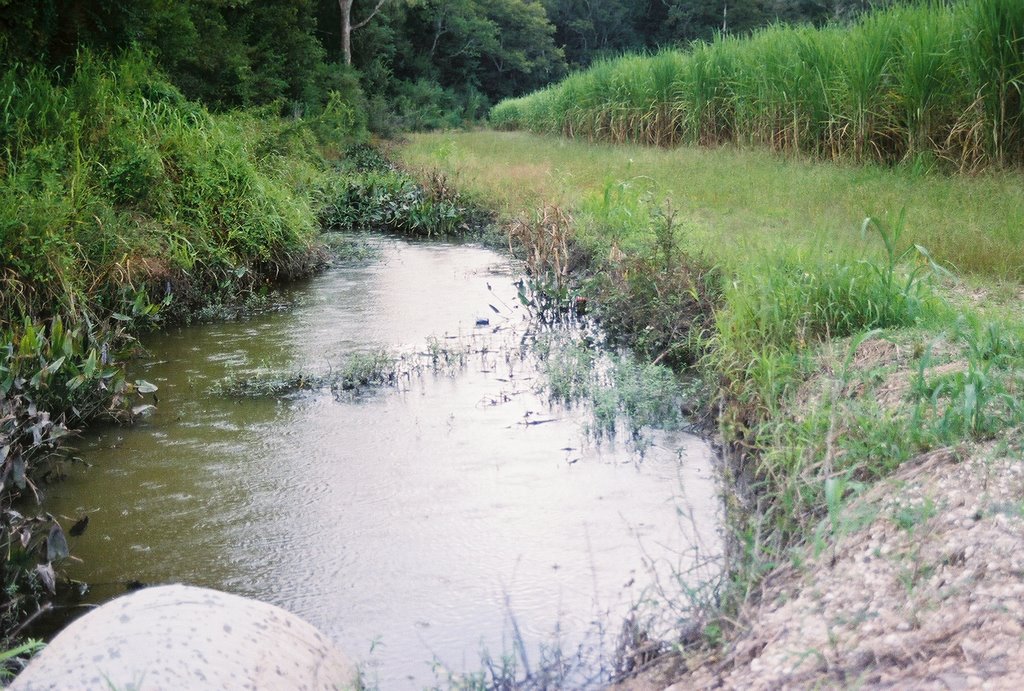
(933, 78)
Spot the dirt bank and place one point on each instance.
(918, 585)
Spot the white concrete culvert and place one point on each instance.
(182, 637)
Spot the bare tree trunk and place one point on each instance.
(347, 27)
(346, 30)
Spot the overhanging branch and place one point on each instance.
(372, 15)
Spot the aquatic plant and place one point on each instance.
(46, 369)
(621, 392)
(360, 372)
(376, 195)
(542, 240)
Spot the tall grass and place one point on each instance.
(111, 182)
(937, 78)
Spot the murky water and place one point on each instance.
(413, 524)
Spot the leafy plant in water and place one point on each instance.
(544, 241)
(377, 195)
(43, 369)
(360, 371)
(376, 368)
(619, 389)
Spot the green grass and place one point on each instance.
(936, 79)
(738, 205)
(112, 183)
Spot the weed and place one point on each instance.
(9, 656)
(907, 517)
(348, 247)
(660, 301)
(105, 192)
(374, 194)
(619, 389)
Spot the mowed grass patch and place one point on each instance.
(738, 204)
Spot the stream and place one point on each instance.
(418, 525)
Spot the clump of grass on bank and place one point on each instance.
(917, 82)
(660, 299)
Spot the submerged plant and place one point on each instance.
(362, 371)
(620, 391)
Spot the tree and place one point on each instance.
(471, 48)
(587, 29)
(522, 55)
(682, 21)
(347, 27)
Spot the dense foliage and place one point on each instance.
(935, 80)
(421, 63)
(113, 183)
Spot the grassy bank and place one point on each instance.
(114, 184)
(920, 82)
(834, 350)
